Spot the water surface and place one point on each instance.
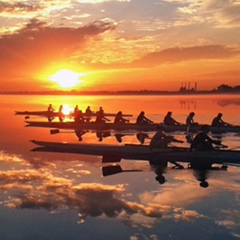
(65, 196)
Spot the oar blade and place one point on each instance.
(54, 131)
(110, 170)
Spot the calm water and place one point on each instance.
(64, 196)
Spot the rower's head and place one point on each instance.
(169, 113)
(192, 114)
(205, 128)
(219, 115)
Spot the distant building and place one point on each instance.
(186, 87)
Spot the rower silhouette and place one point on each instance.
(100, 118)
(60, 113)
(88, 114)
(169, 120)
(50, 111)
(190, 120)
(142, 119)
(119, 118)
(218, 122)
(202, 142)
(161, 140)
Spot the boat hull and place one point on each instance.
(141, 152)
(125, 126)
(56, 114)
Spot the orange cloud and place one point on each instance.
(36, 45)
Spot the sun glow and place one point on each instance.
(67, 78)
(66, 109)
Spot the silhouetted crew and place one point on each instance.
(50, 111)
(88, 114)
(119, 118)
(100, 118)
(142, 119)
(60, 113)
(203, 142)
(88, 110)
(161, 140)
(50, 108)
(76, 109)
(76, 113)
(190, 120)
(79, 117)
(168, 120)
(218, 122)
(101, 111)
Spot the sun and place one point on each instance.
(67, 78)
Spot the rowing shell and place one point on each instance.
(126, 126)
(114, 153)
(56, 114)
(93, 126)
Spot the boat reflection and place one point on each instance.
(101, 135)
(200, 172)
(76, 186)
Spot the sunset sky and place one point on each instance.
(119, 44)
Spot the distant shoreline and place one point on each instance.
(119, 93)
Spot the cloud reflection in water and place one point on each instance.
(42, 189)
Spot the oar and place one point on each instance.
(234, 148)
(114, 169)
(56, 131)
(232, 164)
(27, 117)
